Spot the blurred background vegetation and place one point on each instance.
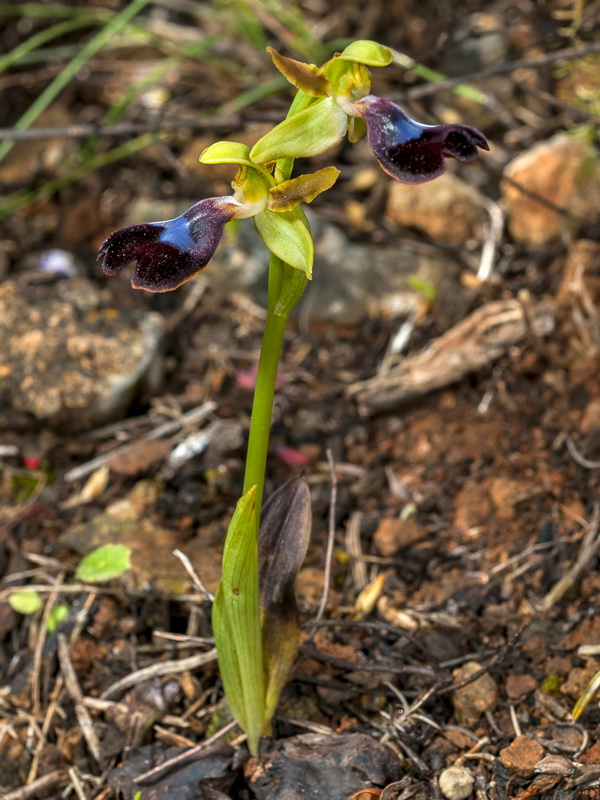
(146, 84)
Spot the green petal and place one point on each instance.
(308, 133)
(366, 52)
(307, 77)
(287, 236)
(302, 189)
(229, 153)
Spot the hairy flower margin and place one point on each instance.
(332, 101)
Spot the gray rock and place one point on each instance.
(350, 282)
(66, 361)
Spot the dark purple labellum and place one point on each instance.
(171, 252)
(411, 152)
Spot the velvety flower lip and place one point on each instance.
(411, 152)
(171, 252)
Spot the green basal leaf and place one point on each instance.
(286, 235)
(236, 622)
(283, 542)
(104, 563)
(307, 77)
(319, 127)
(364, 51)
(303, 189)
(25, 602)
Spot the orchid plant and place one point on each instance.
(254, 614)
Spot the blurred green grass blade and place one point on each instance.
(42, 10)
(116, 111)
(26, 196)
(431, 75)
(236, 622)
(255, 94)
(72, 68)
(42, 37)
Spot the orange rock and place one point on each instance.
(394, 535)
(522, 755)
(560, 173)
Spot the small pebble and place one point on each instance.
(456, 783)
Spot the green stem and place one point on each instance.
(262, 405)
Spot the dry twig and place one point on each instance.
(84, 718)
(156, 670)
(590, 547)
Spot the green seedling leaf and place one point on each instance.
(309, 132)
(104, 563)
(286, 235)
(25, 602)
(302, 189)
(426, 288)
(57, 615)
(283, 541)
(236, 622)
(307, 77)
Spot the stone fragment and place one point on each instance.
(394, 535)
(474, 699)
(456, 783)
(472, 506)
(590, 420)
(560, 173)
(519, 685)
(448, 210)
(68, 362)
(578, 679)
(522, 755)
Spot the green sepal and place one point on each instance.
(364, 51)
(308, 133)
(287, 236)
(303, 189)
(236, 622)
(306, 77)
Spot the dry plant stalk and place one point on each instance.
(469, 346)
